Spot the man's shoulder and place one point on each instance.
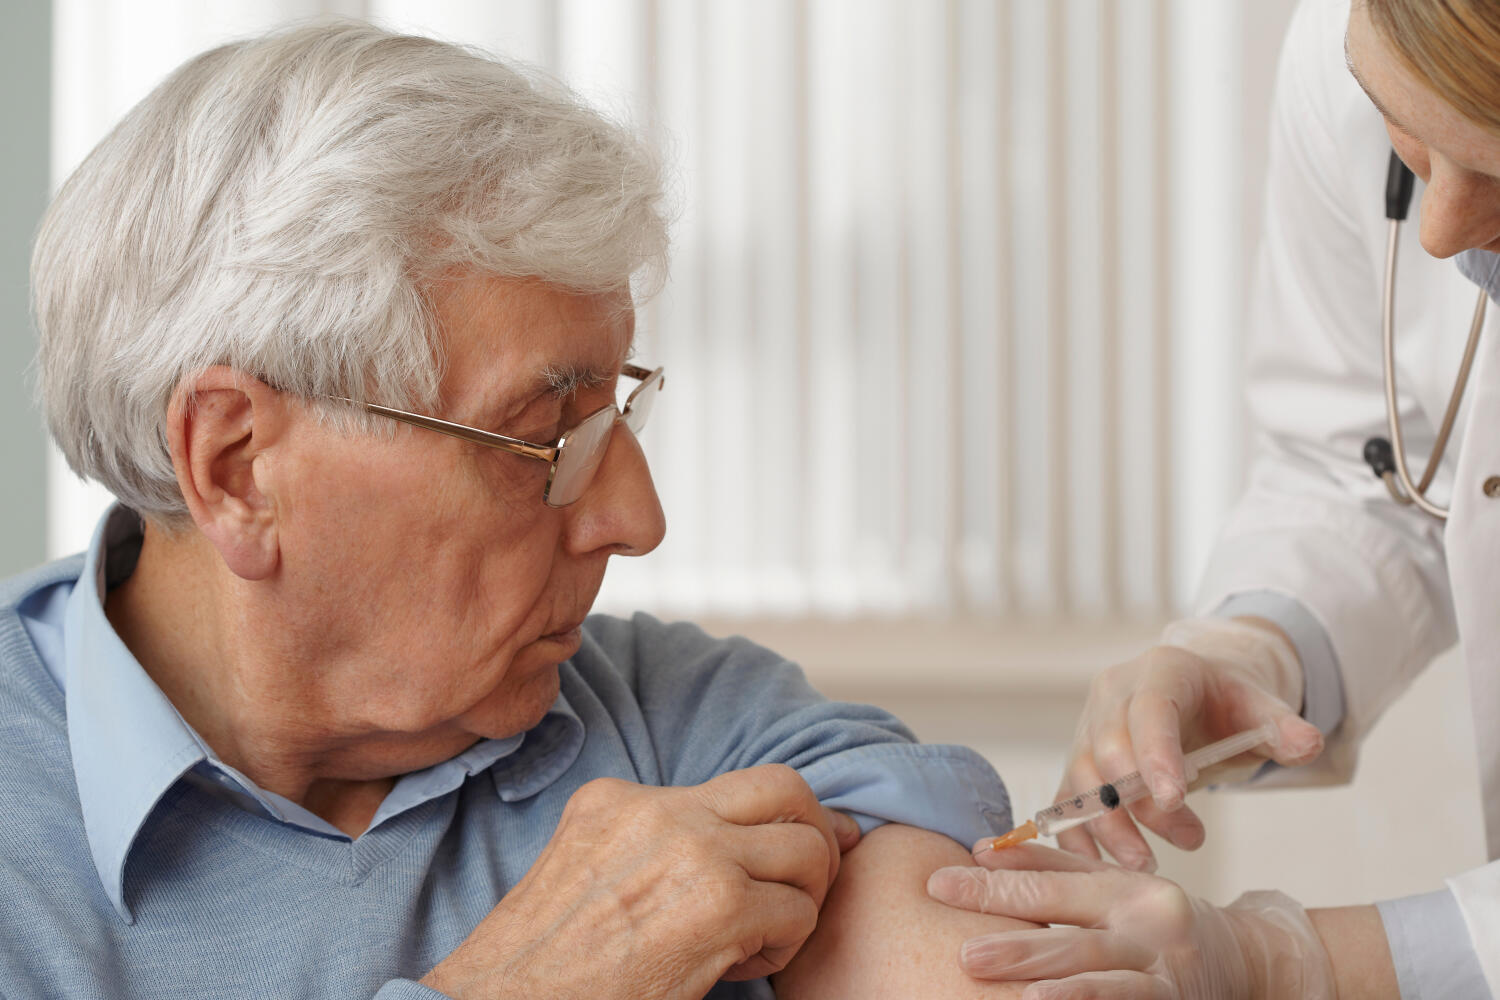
(36, 786)
(685, 686)
(33, 721)
(15, 590)
(31, 610)
(643, 649)
(643, 635)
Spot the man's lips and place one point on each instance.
(555, 647)
(566, 634)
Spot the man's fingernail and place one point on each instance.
(1139, 861)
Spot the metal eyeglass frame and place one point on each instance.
(552, 454)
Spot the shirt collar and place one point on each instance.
(1483, 268)
(551, 747)
(130, 746)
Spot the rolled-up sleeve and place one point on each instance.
(715, 705)
(947, 789)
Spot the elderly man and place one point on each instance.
(340, 317)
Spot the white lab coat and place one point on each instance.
(1391, 586)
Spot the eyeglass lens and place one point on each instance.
(584, 447)
(638, 406)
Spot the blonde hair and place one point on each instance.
(1451, 45)
(278, 206)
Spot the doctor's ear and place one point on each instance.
(221, 426)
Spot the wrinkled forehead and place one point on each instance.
(516, 334)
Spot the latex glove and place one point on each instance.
(659, 892)
(1134, 935)
(1207, 679)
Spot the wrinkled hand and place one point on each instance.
(659, 892)
(1133, 935)
(1211, 678)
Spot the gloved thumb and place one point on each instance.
(1296, 742)
(1264, 680)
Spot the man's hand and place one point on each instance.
(659, 892)
(1209, 679)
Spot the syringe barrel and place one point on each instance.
(1129, 788)
(1095, 802)
(1085, 806)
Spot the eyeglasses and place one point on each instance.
(576, 456)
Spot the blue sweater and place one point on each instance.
(223, 895)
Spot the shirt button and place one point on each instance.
(1492, 487)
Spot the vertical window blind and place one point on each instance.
(953, 321)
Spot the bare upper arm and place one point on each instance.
(881, 935)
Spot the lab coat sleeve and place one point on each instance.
(1314, 523)
(1477, 893)
(1432, 949)
(1322, 688)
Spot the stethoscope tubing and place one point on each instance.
(1413, 495)
(1408, 492)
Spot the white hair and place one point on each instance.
(277, 206)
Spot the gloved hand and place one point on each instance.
(1133, 936)
(1207, 679)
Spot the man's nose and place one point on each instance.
(620, 510)
(1460, 210)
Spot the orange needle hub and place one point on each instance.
(1025, 831)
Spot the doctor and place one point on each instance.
(1324, 597)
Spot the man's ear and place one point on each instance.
(221, 425)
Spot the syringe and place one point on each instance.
(1081, 808)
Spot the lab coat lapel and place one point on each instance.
(1472, 542)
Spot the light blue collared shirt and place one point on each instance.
(135, 863)
(129, 744)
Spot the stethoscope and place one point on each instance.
(1387, 462)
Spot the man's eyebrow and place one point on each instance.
(1385, 112)
(564, 380)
